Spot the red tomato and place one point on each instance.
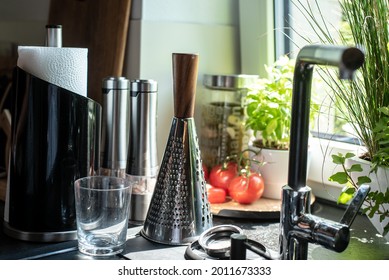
(246, 190)
(220, 177)
(206, 172)
(216, 195)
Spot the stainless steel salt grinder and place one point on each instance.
(115, 121)
(54, 35)
(142, 159)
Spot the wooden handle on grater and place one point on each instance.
(184, 84)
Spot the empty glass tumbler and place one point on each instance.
(102, 208)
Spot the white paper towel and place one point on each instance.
(64, 67)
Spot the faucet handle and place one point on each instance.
(332, 235)
(355, 205)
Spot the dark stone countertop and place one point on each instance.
(365, 242)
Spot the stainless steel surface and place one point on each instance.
(139, 206)
(143, 86)
(346, 59)
(216, 241)
(142, 191)
(58, 236)
(179, 211)
(54, 35)
(142, 159)
(115, 121)
(353, 208)
(298, 227)
(229, 82)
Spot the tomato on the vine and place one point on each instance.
(221, 175)
(246, 188)
(216, 195)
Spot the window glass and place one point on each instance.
(306, 23)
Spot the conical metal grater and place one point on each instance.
(179, 210)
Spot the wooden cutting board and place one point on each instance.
(99, 25)
(263, 208)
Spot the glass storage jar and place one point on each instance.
(222, 131)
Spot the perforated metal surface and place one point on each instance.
(179, 211)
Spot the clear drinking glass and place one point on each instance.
(102, 209)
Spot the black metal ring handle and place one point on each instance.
(226, 242)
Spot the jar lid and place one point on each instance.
(229, 82)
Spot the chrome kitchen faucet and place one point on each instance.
(298, 227)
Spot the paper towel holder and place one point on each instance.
(54, 35)
(55, 140)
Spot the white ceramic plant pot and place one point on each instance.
(379, 181)
(275, 171)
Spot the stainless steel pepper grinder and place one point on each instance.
(115, 123)
(142, 162)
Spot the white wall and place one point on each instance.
(159, 28)
(256, 36)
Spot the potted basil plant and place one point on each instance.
(268, 107)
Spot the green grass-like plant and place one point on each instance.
(365, 25)
(365, 101)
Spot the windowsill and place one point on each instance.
(321, 166)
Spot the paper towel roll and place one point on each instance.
(64, 67)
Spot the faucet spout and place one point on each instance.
(347, 59)
(298, 227)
